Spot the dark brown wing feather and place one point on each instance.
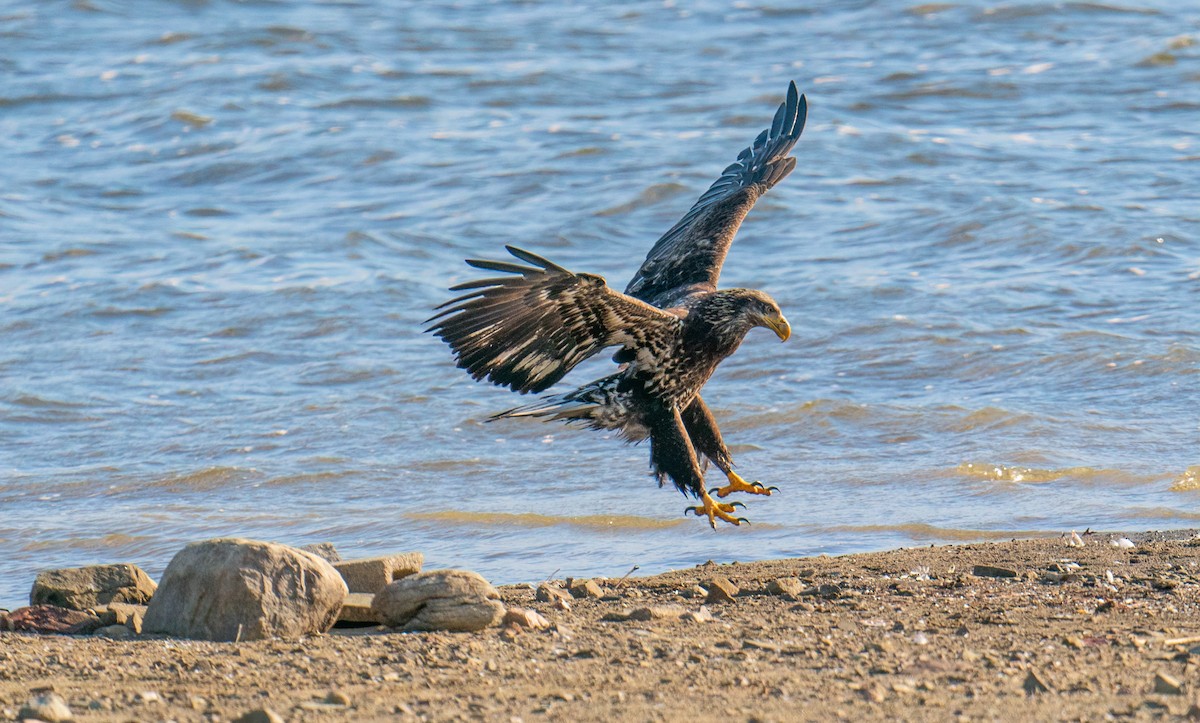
(692, 252)
(525, 331)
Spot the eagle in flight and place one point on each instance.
(530, 326)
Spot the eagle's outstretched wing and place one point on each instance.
(527, 330)
(691, 253)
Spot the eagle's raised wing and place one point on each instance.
(691, 253)
(526, 331)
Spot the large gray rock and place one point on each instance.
(233, 589)
(372, 574)
(455, 600)
(80, 588)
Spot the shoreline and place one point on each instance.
(1016, 630)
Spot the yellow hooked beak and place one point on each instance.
(779, 325)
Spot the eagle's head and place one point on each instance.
(734, 312)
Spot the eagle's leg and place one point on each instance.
(673, 455)
(702, 428)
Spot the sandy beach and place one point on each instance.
(1022, 630)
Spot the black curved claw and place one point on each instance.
(695, 510)
(743, 519)
(735, 504)
(712, 491)
(772, 488)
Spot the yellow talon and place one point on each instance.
(714, 510)
(737, 484)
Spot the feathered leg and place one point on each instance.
(672, 455)
(701, 427)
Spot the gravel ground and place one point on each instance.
(1021, 630)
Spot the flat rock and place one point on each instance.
(121, 614)
(586, 589)
(697, 616)
(49, 707)
(233, 589)
(455, 600)
(324, 550)
(52, 620)
(115, 632)
(80, 588)
(992, 571)
(720, 590)
(372, 574)
(356, 608)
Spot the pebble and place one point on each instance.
(586, 589)
(991, 571)
(49, 707)
(1034, 684)
(337, 697)
(720, 590)
(1167, 684)
(1123, 542)
(551, 593)
(762, 645)
(788, 587)
(657, 612)
(525, 618)
(697, 616)
(260, 715)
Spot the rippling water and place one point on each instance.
(221, 225)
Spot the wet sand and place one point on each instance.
(1021, 630)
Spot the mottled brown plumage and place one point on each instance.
(528, 328)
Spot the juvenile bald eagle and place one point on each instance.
(525, 330)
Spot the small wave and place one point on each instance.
(1163, 513)
(529, 519)
(652, 195)
(1036, 475)
(1188, 481)
(206, 480)
(86, 543)
(400, 101)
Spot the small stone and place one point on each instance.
(148, 697)
(1034, 684)
(48, 707)
(521, 617)
(547, 592)
(260, 715)
(920, 638)
(762, 645)
(324, 550)
(1167, 684)
(586, 589)
(337, 697)
(197, 703)
(697, 616)
(991, 571)
(658, 612)
(453, 600)
(786, 587)
(372, 574)
(80, 588)
(720, 590)
(115, 632)
(1123, 543)
(356, 609)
